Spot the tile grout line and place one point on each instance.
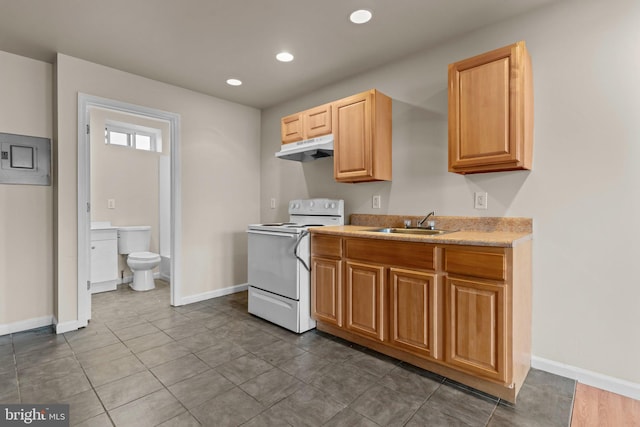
(90, 383)
(15, 369)
(106, 411)
(440, 384)
(148, 370)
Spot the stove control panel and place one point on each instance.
(316, 207)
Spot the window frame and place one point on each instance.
(132, 131)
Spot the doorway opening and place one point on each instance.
(167, 241)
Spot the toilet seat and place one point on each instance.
(143, 256)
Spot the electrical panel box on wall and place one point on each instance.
(25, 159)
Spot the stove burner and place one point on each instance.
(278, 224)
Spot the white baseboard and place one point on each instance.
(109, 285)
(25, 325)
(594, 379)
(72, 325)
(214, 294)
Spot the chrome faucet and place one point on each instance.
(425, 218)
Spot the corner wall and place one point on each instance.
(583, 193)
(220, 176)
(26, 224)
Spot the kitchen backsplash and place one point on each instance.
(461, 223)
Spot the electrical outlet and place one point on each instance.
(376, 202)
(111, 203)
(480, 200)
(273, 203)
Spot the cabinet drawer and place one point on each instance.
(327, 246)
(404, 254)
(487, 263)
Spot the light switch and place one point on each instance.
(111, 203)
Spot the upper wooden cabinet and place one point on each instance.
(306, 124)
(362, 137)
(491, 112)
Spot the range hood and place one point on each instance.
(307, 150)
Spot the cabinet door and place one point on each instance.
(291, 128)
(475, 327)
(317, 121)
(326, 290)
(413, 312)
(490, 112)
(365, 299)
(352, 138)
(104, 260)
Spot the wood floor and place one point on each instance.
(599, 408)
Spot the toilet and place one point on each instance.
(134, 241)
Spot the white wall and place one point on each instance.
(26, 226)
(583, 192)
(220, 175)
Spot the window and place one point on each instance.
(134, 136)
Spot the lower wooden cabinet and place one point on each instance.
(326, 290)
(461, 311)
(476, 327)
(365, 299)
(413, 311)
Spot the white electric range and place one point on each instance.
(279, 263)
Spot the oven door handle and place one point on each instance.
(269, 233)
(295, 249)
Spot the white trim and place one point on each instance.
(25, 325)
(72, 325)
(594, 379)
(215, 294)
(85, 102)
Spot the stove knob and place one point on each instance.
(310, 204)
(333, 205)
(326, 205)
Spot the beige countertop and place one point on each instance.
(496, 238)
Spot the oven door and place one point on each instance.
(273, 266)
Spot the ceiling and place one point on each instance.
(199, 44)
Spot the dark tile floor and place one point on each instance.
(141, 362)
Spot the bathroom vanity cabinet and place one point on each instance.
(104, 260)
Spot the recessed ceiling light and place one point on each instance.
(361, 16)
(234, 82)
(284, 57)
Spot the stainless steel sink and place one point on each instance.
(420, 231)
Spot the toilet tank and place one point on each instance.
(134, 238)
